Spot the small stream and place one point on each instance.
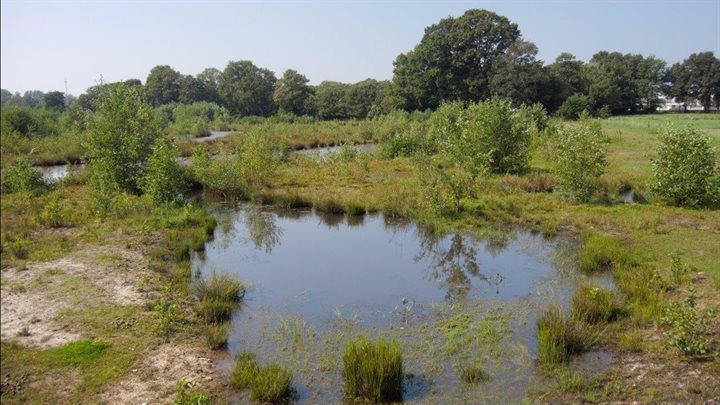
(315, 280)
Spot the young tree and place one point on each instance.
(119, 140)
(580, 158)
(291, 92)
(163, 180)
(247, 89)
(684, 172)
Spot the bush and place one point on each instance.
(54, 215)
(22, 176)
(685, 172)
(574, 106)
(119, 140)
(580, 160)
(560, 337)
(373, 370)
(601, 252)
(164, 180)
(593, 304)
(690, 328)
(402, 144)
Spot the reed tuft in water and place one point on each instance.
(373, 369)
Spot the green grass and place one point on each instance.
(373, 370)
(218, 287)
(593, 304)
(473, 374)
(268, 383)
(213, 310)
(559, 337)
(216, 335)
(78, 354)
(601, 252)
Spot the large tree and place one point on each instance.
(292, 92)
(162, 85)
(519, 77)
(329, 100)
(209, 79)
(454, 59)
(54, 100)
(192, 90)
(696, 78)
(247, 89)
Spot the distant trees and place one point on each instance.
(209, 79)
(697, 77)
(454, 60)
(162, 85)
(292, 93)
(246, 89)
(55, 100)
(518, 76)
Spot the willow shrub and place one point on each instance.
(685, 172)
(373, 369)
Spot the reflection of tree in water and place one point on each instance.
(261, 229)
(331, 220)
(454, 265)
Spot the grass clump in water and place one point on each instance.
(602, 253)
(593, 305)
(473, 374)
(217, 335)
(330, 207)
(220, 287)
(373, 369)
(355, 209)
(560, 337)
(270, 383)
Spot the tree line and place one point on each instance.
(470, 58)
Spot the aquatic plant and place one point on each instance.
(373, 369)
(243, 371)
(559, 337)
(268, 383)
(217, 334)
(221, 287)
(593, 304)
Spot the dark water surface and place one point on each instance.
(317, 280)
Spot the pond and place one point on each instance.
(321, 153)
(54, 173)
(316, 280)
(213, 135)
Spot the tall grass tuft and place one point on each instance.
(221, 287)
(601, 253)
(268, 383)
(593, 305)
(560, 337)
(217, 335)
(373, 369)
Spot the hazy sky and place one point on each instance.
(44, 43)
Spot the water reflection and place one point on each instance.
(261, 228)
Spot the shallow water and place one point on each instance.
(57, 172)
(213, 135)
(317, 280)
(322, 153)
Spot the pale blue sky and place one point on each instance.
(45, 42)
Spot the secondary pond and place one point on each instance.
(54, 173)
(454, 301)
(213, 135)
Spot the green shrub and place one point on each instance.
(678, 269)
(593, 304)
(600, 252)
(217, 334)
(685, 172)
(402, 144)
(22, 176)
(373, 370)
(54, 215)
(690, 329)
(560, 337)
(120, 137)
(221, 287)
(574, 106)
(581, 158)
(164, 180)
(167, 313)
(20, 248)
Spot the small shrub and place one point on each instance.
(559, 337)
(593, 304)
(217, 335)
(678, 269)
(272, 384)
(22, 176)
(685, 172)
(581, 158)
(373, 370)
(167, 313)
(220, 287)
(20, 248)
(401, 144)
(53, 215)
(163, 180)
(689, 327)
(601, 252)
(574, 106)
